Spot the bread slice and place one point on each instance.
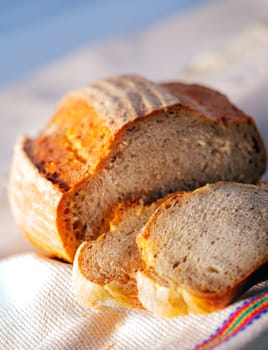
(125, 138)
(199, 248)
(104, 271)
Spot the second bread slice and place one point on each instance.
(104, 270)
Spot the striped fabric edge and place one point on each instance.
(239, 320)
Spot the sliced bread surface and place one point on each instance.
(199, 248)
(125, 138)
(104, 270)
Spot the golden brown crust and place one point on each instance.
(210, 103)
(71, 145)
(88, 121)
(121, 100)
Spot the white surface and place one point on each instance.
(38, 311)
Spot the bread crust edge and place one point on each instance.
(35, 203)
(171, 302)
(94, 295)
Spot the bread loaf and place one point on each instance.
(104, 271)
(125, 138)
(200, 248)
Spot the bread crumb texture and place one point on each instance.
(204, 244)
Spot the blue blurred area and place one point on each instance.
(34, 33)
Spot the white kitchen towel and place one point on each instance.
(38, 311)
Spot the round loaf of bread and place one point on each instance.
(125, 138)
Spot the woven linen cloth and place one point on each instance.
(38, 311)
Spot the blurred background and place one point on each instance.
(50, 47)
(34, 33)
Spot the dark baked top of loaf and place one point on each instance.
(206, 101)
(89, 121)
